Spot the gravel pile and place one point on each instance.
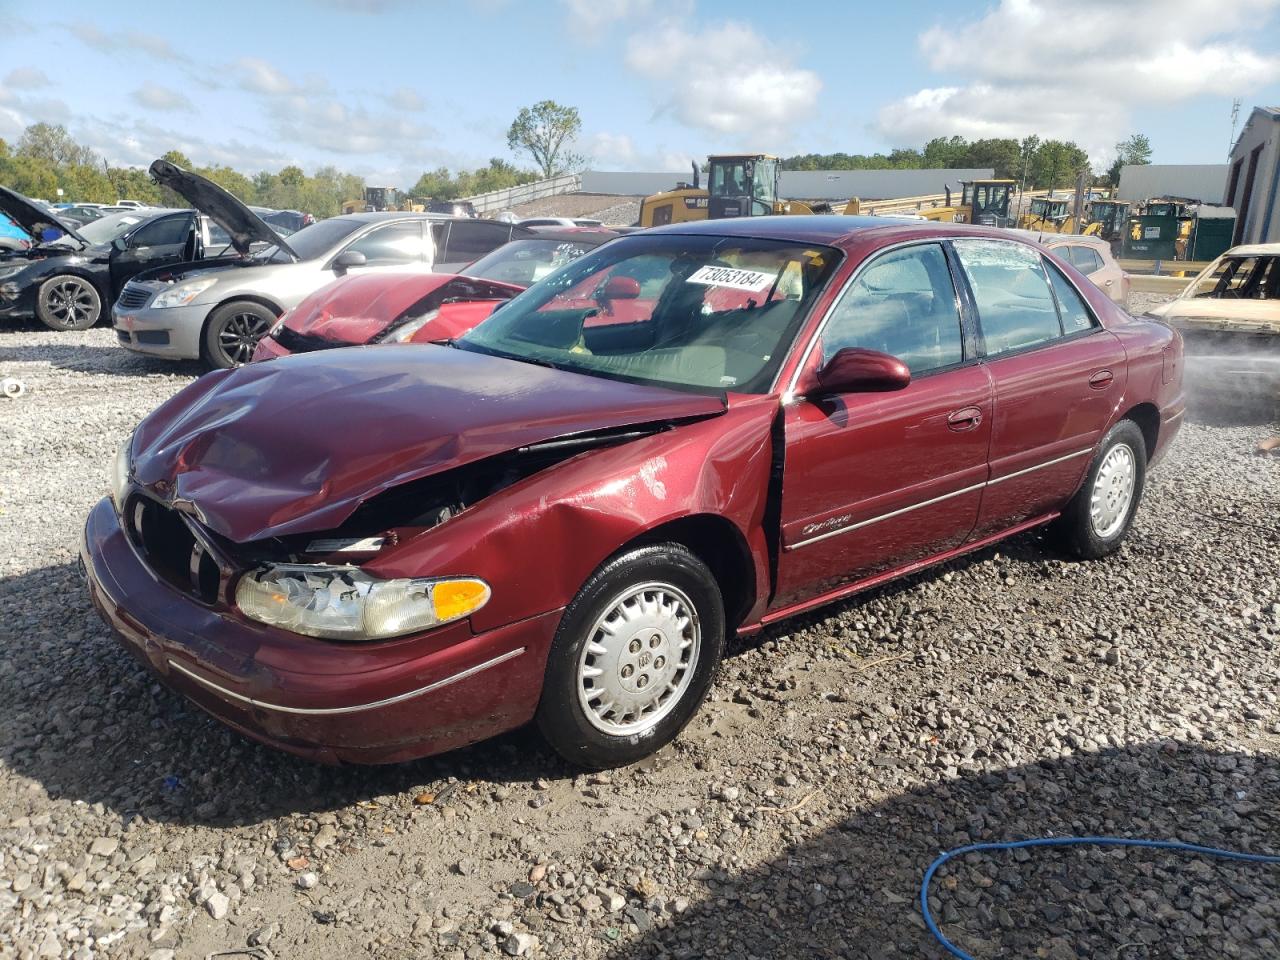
(1009, 694)
(606, 207)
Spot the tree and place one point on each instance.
(177, 158)
(1056, 162)
(1135, 150)
(53, 145)
(1004, 156)
(546, 132)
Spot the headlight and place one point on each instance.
(183, 293)
(119, 477)
(345, 603)
(405, 333)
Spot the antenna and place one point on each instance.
(1235, 117)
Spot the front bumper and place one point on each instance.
(22, 305)
(333, 702)
(269, 348)
(174, 332)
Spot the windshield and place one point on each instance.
(524, 262)
(319, 238)
(1238, 278)
(681, 311)
(105, 229)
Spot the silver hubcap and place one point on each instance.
(70, 301)
(639, 659)
(1112, 491)
(239, 336)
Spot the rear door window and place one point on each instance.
(397, 244)
(1084, 259)
(1016, 308)
(163, 232)
(471, 239)
(1075, 312)
(903, 304)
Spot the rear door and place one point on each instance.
(873, 481)
(1103, 274)
(1058, 376)
(154, 244)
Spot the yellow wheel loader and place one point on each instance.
(984, 202)
(738, 185)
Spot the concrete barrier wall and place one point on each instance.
(799, 184)
(1200, 181)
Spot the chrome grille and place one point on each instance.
(131, 297)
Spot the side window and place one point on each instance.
(1075, 313)
(1084, 259)
(159, 233)
(902, 304)
(471, 240)
(1015, 306)
(393, 245)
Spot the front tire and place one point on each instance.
(633, 658)
(67, 302)
(232, 332)
(1098, 517)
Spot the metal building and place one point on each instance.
(1253, 179)
(1195, 181)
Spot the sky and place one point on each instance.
(390, 88)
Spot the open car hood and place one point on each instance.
(34, 220)
(244, 226)
(297, 444)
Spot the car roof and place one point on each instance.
(574, 234)
(1254, 250)
(373, 216)
(827, 228)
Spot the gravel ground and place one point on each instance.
(608, 208)
(1010, 694)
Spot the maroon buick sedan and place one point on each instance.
(372, 554)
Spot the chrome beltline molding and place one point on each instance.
(928, 503)
(356, 708)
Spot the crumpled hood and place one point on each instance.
(244, 226)
(295, 445)
(357, 308)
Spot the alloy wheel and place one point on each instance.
(239, 337)
(70, 301)
(639, 659)
(1112, 492)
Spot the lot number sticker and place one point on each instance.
(752, 280)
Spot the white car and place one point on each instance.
(560, 222)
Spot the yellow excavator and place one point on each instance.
(984, 202)
(738, 185)
(377, 199)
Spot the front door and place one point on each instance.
(874, 481)
(1058, 377)
(154, 244)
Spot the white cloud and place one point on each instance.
(1064, 68)
(617, 151)
(155, 97)
(406, 98)
(590, 18)
(725, 79)
(26, 78)
(126, 41)
(258, 76)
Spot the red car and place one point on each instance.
(373, 555)
(378, 307)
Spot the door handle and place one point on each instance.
(1101, 380)
(967, 419)
(1108, 283)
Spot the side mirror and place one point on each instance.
(620, 288)
(856, 370)
(348, 259)
(119, 243)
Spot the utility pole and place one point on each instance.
(1235, 117)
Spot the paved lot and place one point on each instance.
(1010, 694)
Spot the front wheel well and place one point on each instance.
(1147, 417)
(721, 546)
(239, 298)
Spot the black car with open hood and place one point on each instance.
(66, 282)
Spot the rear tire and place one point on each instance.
(1098, 518)
(633, 658)
(68, 302)
(232, 332)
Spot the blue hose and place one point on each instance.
(1067, 842)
